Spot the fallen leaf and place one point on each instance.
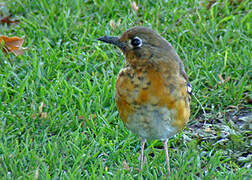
(6, 20)
(133, 6)
(12, 44)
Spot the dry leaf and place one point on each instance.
(6, 20)
(125, 165)
(133, 6)
(12, 44)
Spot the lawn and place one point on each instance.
(58, 118)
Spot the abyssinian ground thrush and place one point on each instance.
(152, 90)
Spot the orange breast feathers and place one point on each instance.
(152, 88)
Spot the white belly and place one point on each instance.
(151, 122)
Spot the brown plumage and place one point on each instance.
(152, 90)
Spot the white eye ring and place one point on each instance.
(136, 42)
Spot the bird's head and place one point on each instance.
(141, 45)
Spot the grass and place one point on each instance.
(58, 118)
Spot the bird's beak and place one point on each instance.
(112, 40)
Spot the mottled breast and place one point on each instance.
(152, 102)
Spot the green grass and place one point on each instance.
(66, 68)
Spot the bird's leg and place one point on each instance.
(166, 156)
(141, 153)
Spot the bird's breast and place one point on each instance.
(152, 102)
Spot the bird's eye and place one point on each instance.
(136, 42)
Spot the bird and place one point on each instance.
(152, 92)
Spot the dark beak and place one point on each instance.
(112, 40)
